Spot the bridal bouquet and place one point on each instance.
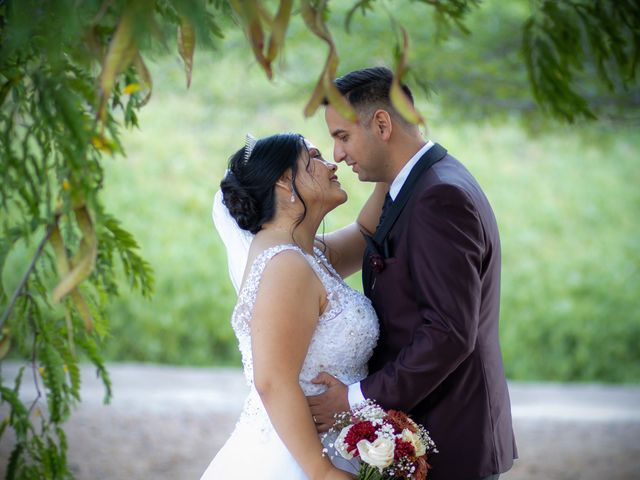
(388, 443)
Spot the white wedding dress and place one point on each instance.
(341, 345)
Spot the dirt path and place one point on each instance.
(167, 423)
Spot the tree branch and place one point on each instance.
(34, 358)
(25, 277)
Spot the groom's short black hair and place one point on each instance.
(367, 88)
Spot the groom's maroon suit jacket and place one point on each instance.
(437, 297)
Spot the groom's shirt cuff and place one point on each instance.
(354, 395)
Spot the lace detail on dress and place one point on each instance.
(341, 345)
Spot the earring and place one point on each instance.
(293, 197)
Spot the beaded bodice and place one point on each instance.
(341, 344)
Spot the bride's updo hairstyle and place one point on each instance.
(248, 189)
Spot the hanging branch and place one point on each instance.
(18, 291)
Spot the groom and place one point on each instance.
(432, 272)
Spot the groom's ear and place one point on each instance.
(382, 125)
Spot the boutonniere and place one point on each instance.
(376, 262)
(376, 259)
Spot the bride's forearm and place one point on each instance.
(370, 213)
(346, 245)
(289, 412)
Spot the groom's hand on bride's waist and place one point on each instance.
(326, 405)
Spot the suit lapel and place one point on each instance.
(376, 244)
(433, 155)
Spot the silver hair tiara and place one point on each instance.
(249, 143)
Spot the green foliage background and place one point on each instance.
(566, 197)
(566, 200)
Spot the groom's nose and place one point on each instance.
(339, 154)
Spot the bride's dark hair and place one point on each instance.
(248, 189)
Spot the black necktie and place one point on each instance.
(385, 208)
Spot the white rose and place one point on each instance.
(419, 447)
(341, 446)
(379, 453)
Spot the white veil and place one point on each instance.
(236, 240)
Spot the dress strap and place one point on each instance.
(250, 287)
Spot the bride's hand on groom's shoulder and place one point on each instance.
(324, 406)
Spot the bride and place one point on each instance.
(295, 316)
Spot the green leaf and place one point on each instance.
(279, 29)
(363, 5)
(5, 342)
(313, 16)
(122, 50)
(15, 461)
(399, 99)
(186, 46)
(52, 373)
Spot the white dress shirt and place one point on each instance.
(355, 395)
